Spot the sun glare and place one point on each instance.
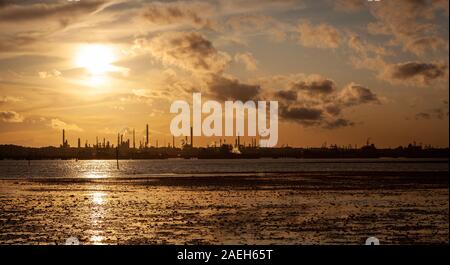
(97, 59)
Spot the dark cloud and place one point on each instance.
(333, 109)
(318, 86)
(313, 116)
(300, 114)
(189, 50)
(423, 73)
(4, 3)
(231, 89)
(287, 94)
(355, 94)
(321, 103)
(338, 123)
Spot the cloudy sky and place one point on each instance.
(342, 70)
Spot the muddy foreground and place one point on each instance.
(306, 208)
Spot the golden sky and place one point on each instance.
(342, 71)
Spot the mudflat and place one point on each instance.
(259, 208)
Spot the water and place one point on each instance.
(175, 167)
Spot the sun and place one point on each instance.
(96, 59)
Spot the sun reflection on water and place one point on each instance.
(98, 197)
(97, 239)
(96, 176)
(98, 214)
(96, 169)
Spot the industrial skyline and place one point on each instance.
(130, 142)
(342, 71)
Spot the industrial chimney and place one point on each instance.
(146, 136)
(192, 137)
(63, 138)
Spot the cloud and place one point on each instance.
(141, 92)
(30, 23)
(423, 116)
(253, 6)
(59, 125)
(302, 113)
(19, 40)
(191, 13)
(10, 116)
(349, 5)
(22, 63)
(62, 11)
(225, 88)
(319, 36)
(354, 94)
(49, 74)
(289, 95)
(420, 46)
(248, 60)
(364, 48)
(416, 73)
(188, 50)
(4, 3)
(315, 85)
(338, 123)
(410, 23)
(314, 100)
(411, 73)
(436, 113)
(250, 23)
(9, 99)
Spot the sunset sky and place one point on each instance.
(342, 71)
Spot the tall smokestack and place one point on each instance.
(64, 138)
(134, 140)
(173, 141)
(146, 136)
(192, 138)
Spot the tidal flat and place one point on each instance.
(260, 208)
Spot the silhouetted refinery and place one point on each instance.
(103, 149)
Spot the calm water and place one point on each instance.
(142, 168)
